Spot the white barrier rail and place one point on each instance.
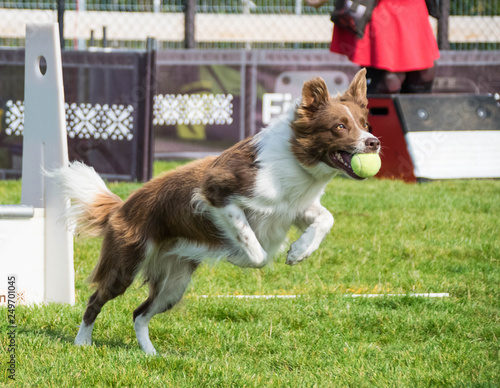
(16, 211)
(420, 295)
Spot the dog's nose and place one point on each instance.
(372, 144)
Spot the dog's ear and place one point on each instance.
(314, 94)
(357, 89)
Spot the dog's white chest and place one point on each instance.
(280, 196)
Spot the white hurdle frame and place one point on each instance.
(35, 246)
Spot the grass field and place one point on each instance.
(389, 237)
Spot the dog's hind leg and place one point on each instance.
(84, 336)
(166, 288)
(115, 273)
(95, 304)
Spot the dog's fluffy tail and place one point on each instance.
(92, 202)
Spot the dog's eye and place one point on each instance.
(366, 126)
(340, 126)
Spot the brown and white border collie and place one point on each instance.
(238, 206)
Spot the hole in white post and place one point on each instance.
(42, 64)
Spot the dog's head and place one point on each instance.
(329, 130)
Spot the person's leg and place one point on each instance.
(419, 81)
(383, 81)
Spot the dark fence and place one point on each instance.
(196, 102)
(108, 111)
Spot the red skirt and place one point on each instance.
(398, 38)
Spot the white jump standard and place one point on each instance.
(34, 243)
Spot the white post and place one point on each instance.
(298, 7)
(156, 6)
(82, 42)
(45, 146)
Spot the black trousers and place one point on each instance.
(385, 82)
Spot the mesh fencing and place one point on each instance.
(477, 22)
(248, 24)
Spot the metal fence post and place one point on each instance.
(189, 24)
(60, 20)
(442, 27)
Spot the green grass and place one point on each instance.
(389, 237)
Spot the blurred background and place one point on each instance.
(234, 24)
(182, 79)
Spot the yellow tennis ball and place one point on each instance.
(366, 165)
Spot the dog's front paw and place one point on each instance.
(259, 258)
(298, 252)
(244, 259)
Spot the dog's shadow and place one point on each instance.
(62, 336)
